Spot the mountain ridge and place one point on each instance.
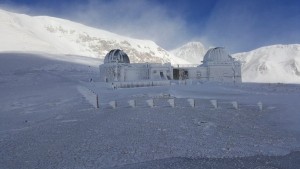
(271, 64)
(268, 64)
(192, 51)
(24, 33)
(20, 32)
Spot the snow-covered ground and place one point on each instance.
(46, 123)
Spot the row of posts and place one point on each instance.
(192, 103)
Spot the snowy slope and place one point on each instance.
(192, 52)
(46, 123)
(177, 60)
(23, 33)
(271, 64)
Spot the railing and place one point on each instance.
(92, 98)
(115, 85)
(185, 65)
(181, 103)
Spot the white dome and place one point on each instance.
(218, 55)
(116, 56)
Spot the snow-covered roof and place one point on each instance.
(116, 56)
(218, 54)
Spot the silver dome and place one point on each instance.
(116, 56)
(218, 55)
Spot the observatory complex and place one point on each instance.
(117, 68)
(217, 66)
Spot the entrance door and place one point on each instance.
(162, 75)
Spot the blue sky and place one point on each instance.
(239, 25)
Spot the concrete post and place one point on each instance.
(235, 105)
(150, 102)
(214, 103)
(132, 103)
(191, 102)
(260, 105)
(172, 102)
(113, 104)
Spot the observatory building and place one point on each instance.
(117, 68)
(217, 66)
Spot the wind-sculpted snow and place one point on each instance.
(46, 123)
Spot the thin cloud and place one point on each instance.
(141, 19)
(134, 18)
(12, 7)
(243, 26)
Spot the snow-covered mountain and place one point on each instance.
(192, 52)
(23, 33)
(271, 64)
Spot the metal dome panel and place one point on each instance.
(218, 55)
(116, 56)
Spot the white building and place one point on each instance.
(218, 66)
(117, 68)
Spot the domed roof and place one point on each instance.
(218, 55)
(116, 56)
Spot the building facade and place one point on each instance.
(117, 68)
(217, 66)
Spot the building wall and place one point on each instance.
(106, 73)
(199, 73)
(110, 72)
(135, 72)
(224, 73)
(215, 72)
(162, 73)
(238, 73)
(220, 72)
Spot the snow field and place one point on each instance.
(45, 122)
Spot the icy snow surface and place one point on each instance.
(46, 123)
